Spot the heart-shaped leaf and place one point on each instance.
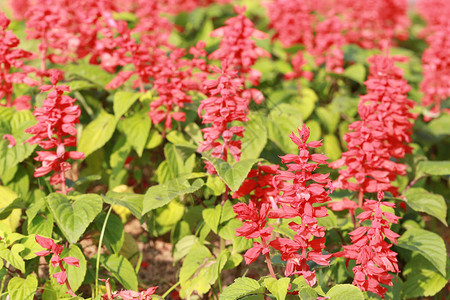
(160, 195)
(427, 243)
(74, 217)
(122, 270)
(22, 289)
(234, 174)
(129, 200)
(433, 204)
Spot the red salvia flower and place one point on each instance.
(436, 66)
(223, 106)
(301, 189)
(382, 133)
(11, 58)
(237, 46)
(323, 27)
(56, 260)
(373, 256)
(55, 130)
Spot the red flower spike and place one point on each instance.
(55, 129)
(299, 193)
(323, 27)
(237, 46)
(383, 132)
(56, 261)
(371, 252)
(436, 67)
(12, 66)
(223, 106)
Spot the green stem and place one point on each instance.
(2, 286)
(170, 290)
(97, 265)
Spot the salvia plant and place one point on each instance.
(224, 149)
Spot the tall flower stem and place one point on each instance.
(70, 291)
(268, 261)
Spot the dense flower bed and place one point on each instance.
(282, 148)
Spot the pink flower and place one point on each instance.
(436, 67)
(11, 140)
(223, 106)
(372, 253)
(301, 191)
(12, 66)
(383, 132)
(55, 129)
(56, 261)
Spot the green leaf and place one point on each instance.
(422, 278)
(283, 120)
(183, 246)
(76, 275)
(90, 72)
(330, 221)
(97, 133)
(345, 292)
(120, 152)
(136, 129)
(329, 118)
(234, 174)
(307, 102)
(178, 162)
(74, 217)
(211, 216)
(356, 72)
(427, 243)
(255, 137)
(197, 256)
(114, 231)
(439, 168)
(154, 139)
(216, 185)
(9, 204)
(31, 247)
(128, 200)
(11, 156)
(278, 288)
(76, 85)
(433, 204)
(205, 276)
(241, 287)
(13, 257)
(227, 212)
(123, 101)
(159, 195)
(331, 147)
(122, 270)
(22, 289)
(42, 225)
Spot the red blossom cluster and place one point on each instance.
(302, 192)
(155, 62)
(277, 194)
(12, 68)
(238, 47)
(259, 185)
(127, 294)
(228, 98)
(436, 63)
(55, 130)
(380, 138)
(323, 27)
(373, 256)
(57, 261)
(223, 106)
